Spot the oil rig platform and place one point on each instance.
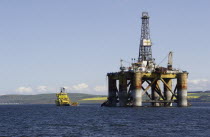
(144, 77)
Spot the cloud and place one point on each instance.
(199, 84)
(100, 88)
(85, 88)
(82, 88)
(44, 89)
(77, 87)
(31, 90)
(24, 90)
(198, 81)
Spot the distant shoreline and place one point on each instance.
(195, 97)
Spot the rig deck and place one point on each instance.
(126, 89)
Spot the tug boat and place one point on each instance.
(63, 99)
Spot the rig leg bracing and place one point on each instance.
(158, 91)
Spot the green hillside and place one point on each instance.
(199, 97)
(42, 98)
(81, 98)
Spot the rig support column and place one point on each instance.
(155, 95)
(167, 92)
(137, 92)
(112, 91)
(182, 89)
(122, 90)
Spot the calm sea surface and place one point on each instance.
(93, 120)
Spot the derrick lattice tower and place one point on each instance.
(145, 50)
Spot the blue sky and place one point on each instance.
(46, 44)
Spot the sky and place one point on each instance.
(48, 44)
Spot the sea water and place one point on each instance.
(93, 120)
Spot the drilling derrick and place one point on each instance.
(145, 50)
(146, 82)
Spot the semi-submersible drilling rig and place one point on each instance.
(127, 87)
